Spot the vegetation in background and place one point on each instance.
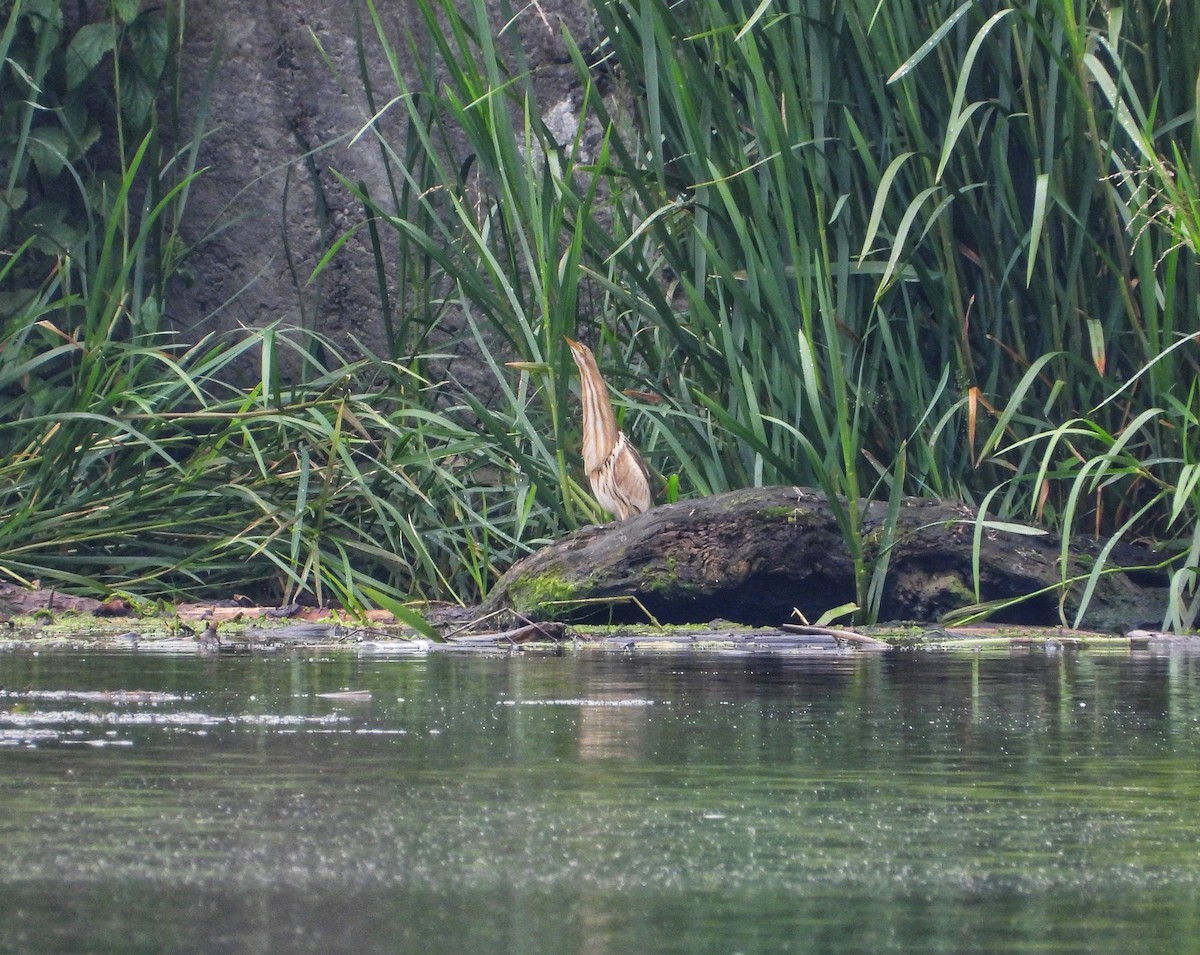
(938, 251)
(66, 218)
(946, 249)
(126, 460)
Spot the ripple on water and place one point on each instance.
(39, 727)
(629, 781)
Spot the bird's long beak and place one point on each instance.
(578, 351)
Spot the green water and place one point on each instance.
(600, 803)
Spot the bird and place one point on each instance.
(209, 640)
(615, 470)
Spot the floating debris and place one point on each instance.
(348, 696)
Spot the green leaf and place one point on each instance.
(44, 11)
(842, 611)
(126, 10)
(882, 193)
(137, 101)
(1095, 330)
(906, 223)
(150, 42)
(403, 614)
(14, 198)
(54, 236)
(88, 47)
(48, 147)
(927, 47)
(754, 18)
(1038, 225)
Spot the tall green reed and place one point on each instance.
(494, 240)
(872, 250)
(1100, 433)
(943, 250)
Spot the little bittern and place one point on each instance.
(614, 468)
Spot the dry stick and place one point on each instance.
(471, 623)
(629, 598)
(860, 640)
(522, 634)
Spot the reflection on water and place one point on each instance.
(598, 803)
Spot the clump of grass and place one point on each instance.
(150, 474)
(129, 460)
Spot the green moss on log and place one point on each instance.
(787, 513)
(536, 595)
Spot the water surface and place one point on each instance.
(599, 803)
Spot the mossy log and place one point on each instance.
(756, 555)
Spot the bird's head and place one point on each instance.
(583, 356)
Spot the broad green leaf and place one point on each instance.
(87, 48)
(14, 198)
(48, 147)
(150, 41)
(126, 10)
(839, 612)
(137, 101)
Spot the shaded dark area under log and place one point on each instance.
(755, 555)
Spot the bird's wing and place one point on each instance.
(630, 476)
